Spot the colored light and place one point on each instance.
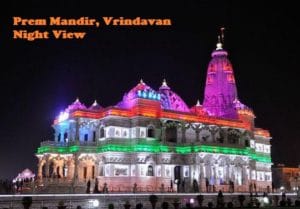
(63, 116)
(155, 147)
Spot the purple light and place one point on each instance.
(220, 89)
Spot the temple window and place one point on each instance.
(121, 170)
(233, 136)
(101, 171)
(65, 170)
(158, 170)
(93, 172)
(59, 137)
(150, 171)
(247, 144)
(57, 172)
(125, 133)
(86, 136)
(186, 171)
(171, 134)
(84, 172)
(150, 132)
(94, 136)
(167, 171)
(44, 170)
(65, 137)
(102, 133)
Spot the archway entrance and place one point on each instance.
(177, 177)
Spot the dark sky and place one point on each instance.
(40, 78)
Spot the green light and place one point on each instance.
(74, 148)
(156, 147)
(183, 149)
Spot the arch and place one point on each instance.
(57, 172)
(51, 168)
(150, 170)
(65, 136)
(171, 134)
(93, 172)
(65, 170)
(233, 136)
(151, 132)
(102, 132)
(44, 170)
(59, 137)
(86, 137)
(94, 136)
(84, 172)
(205, 135)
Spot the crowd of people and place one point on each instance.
(15, 186)
(6, 187)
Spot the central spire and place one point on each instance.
(220, 88)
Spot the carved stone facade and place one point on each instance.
(152, 141)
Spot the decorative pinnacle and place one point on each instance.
(198, 103)
(219, 44)
(141, 81)
(77, 100)
(222, 29)
(164, 83)
(95, 103)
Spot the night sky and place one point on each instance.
(41, 78)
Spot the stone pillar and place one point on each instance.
(163, 133)
(202, 178)
(213, 130)
(227, 172)
(61, 172)
(70, 166)
(244, 175)
(183, 130)
(76, 164)
(40, 169)
(225, 135)
(77, 130)
(47, 168)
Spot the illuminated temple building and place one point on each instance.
(152, 141)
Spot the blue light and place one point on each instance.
(158, 96)
(139, 93)
(144, 94)
(150, 95)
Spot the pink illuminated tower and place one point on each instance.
(220, 88)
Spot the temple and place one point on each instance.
(152, 141)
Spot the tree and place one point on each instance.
(200, 199)
(127, 205)
(220, 200)
(139, 206)
(26, 202)
(61, 205)
(153, 200)
(111, 206)
(165, 205)
(241, 200)
(176, 203)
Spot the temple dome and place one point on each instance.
(141, 90)
(77, 105)
(95, 106)
(220, 88)
(170, 100)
